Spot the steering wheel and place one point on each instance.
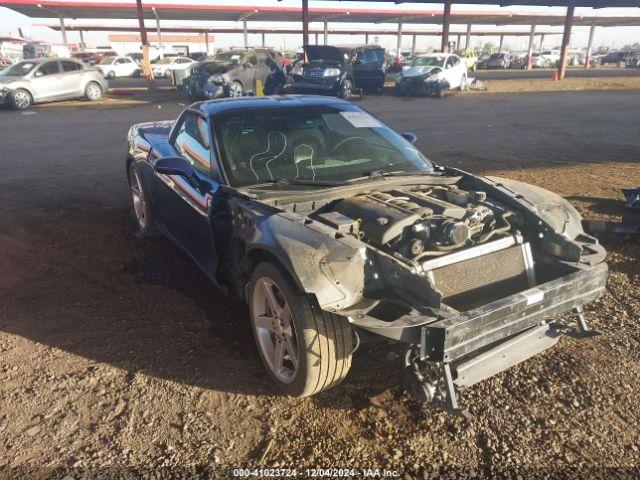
(346, 140)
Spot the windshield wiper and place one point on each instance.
(379, 173)
(300, 181)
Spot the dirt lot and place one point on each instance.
(119, 360)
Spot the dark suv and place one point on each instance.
(339, 70)
(235, 72)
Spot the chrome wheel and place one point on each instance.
(21, 99)
(94, 92)
(138, 198)
(235, 90)
(275, 331)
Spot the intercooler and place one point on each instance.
(482, 274)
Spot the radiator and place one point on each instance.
(479, 279)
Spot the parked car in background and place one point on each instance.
(339, 70)
(164, 66)
(633, 59)
(136, 57)
(112, 67)
(432, 74)
(538, 61)
(235, 72)
(499, 60)
(551, 56)
(618, 58)
(49, 79)
(87, 57)
(198, 56)
(470, 59)
(483, 62)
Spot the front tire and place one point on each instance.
(141, 208)
(236, 90)
(20, 99)
(111, 75)
(346, 89)
(303, 349)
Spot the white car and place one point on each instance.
(432, 73)
(551, 56)
(112, 67)
(164, 66)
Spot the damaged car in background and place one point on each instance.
(335, 230)
(236, 72)
(432, 74)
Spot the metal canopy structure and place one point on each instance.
(221, 13)
(570, 19)
(96, 9)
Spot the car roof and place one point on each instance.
(214, 107)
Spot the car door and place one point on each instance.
(366, 70)
(262, 70)
(128, 67)
(120, 67)
(46, 82)
(183, 205)
(71, 84)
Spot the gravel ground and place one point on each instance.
(119, 360)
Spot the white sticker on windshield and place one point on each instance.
(361, 119)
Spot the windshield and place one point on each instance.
(165, 60)
(318, 143)
(228, 57)
(107, 61)
(19, 69)
(428, 61)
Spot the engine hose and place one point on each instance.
(503, 229)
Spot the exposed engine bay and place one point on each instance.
(419, 224)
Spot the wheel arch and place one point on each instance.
(28, 90)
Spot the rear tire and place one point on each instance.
(20, 99)
(93, 91)
(236, 89)
(315, 346)
(111, 75)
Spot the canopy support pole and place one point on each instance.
(305, 22)
(399, 42)
(587, 59)
(501, 43)
(146, 64)
(541, 42)
(245, 33)
(532, 37)
(366, 39)
(413, 45)
(467, 40)
(63, 31)
(264, 43)
(566, 39)
(446, 21)
(159, 33)
(83, 45)
(206, 41)
(326, 33)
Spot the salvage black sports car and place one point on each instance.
(335, 229)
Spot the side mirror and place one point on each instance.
(37, 74)
(173, 166)
(409, 137)
(248, 65)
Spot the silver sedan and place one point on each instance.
(49, 79)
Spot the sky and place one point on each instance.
(614, 37)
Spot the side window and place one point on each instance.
(455, 61)
(48, 68)
(379, 52)
(193, 142)
(69, 66)
(262, 57)
(252, 59)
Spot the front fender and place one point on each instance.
(330, 268)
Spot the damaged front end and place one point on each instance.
(422, 82)
(467, 271)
